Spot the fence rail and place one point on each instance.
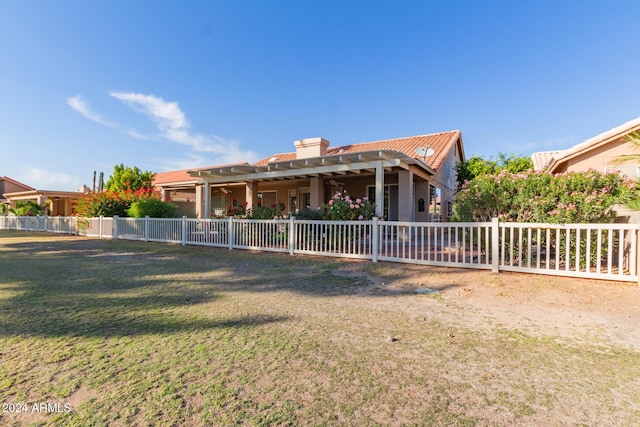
(599, 251)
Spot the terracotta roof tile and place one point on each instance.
(441, 143)
(172, 177)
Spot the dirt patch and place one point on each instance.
(540, 305)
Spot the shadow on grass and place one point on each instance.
(52, 285)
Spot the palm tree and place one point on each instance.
(632, 198)
(633, 138)
(26, 208)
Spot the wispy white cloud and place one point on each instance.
(45, 180)
(81, 106)
(166, 115)
(137, 135)
(197, 159)
(173, 125)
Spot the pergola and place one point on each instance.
(317, 169)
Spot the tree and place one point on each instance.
(634, 139)
(126, 186)
(632, 199)
(27, 208)
(477, 166)
(128, 178)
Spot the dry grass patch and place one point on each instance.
(148, 334)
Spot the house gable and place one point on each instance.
(8, 185)
(595, 153)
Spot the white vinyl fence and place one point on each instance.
(599, 251)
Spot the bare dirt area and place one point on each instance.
(552, 306)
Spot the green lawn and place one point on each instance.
(126, 333)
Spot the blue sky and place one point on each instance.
(164, 85)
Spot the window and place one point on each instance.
(305, 198)
(219, 203)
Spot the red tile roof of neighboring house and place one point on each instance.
(441, 143)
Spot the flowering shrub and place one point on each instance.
(541, 197)
(577, 197)
(236, 208)
(343, 208)
(110, 203)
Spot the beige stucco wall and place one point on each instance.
(598, 158)
(10, 187)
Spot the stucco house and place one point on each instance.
(56, 203)
(410, 179)
(597, 153)
(8, 185)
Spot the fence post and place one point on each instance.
(292, 235)
(146, 228)
(374, 239)
(100, 226)
(637, 260)
(184, 230)
(115, 227)
(230, 233)
(495, 245)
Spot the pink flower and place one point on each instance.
(331, 202)
(352, 206)
(361, 217)
(358, 201)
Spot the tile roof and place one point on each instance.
(172, 177)
(441, 143)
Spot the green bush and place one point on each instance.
(111, 203)
(27, 208)
(155, 208)
(576, 197)
(308, 213)
(265, 212)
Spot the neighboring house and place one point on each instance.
(599, 153)
(56, 203)
(8, 185)
(410, 179)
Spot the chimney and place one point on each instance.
(311, 147)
